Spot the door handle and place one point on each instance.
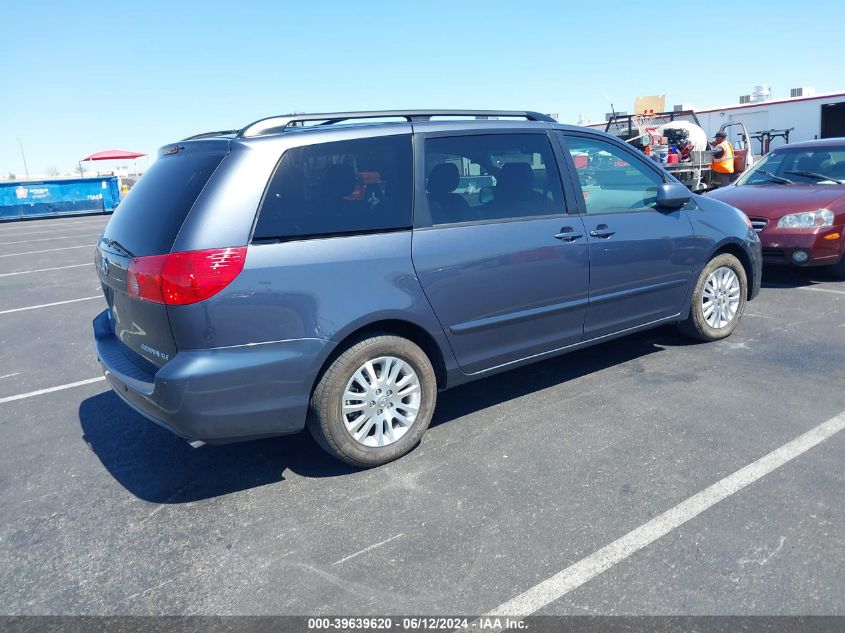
(602, 231)
(567, 234)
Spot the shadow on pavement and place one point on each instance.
(487, 392)
(793, 277)
(157, 466)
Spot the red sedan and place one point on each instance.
(795, 198)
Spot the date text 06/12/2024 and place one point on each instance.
(416, 623)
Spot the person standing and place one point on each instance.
(723, 160)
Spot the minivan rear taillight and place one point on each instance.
(184, 278)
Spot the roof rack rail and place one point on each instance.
(209, 134)
(277, 124)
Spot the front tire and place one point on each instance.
(374, 401)
(718, 300)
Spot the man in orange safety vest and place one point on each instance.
(723, 160)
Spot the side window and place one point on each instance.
(611, 179)
(345, 187)
(491, 177)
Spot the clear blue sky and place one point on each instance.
(79, 77)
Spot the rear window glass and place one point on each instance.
(147, 221)
(345, 187)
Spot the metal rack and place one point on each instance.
(278, 124)
(695, 173)
(622, 125)
(767, 136)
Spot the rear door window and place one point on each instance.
(491, 177)
(148, 220)
(339, 188)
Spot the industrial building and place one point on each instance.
(804, 115)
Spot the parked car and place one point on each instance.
(795, 198)
(303, 271)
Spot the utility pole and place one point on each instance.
(25, 168)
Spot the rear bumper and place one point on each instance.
(218, 395)
(779, 246)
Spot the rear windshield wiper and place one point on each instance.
(771, 176)
(115, 244)
(815, 174)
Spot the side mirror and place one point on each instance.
(672, 195)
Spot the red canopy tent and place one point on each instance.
(114, 154)
(111, 154)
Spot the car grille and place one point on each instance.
(758, 223)
(774, 254)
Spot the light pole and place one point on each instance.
(25, 168)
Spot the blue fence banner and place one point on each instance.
(67, 196)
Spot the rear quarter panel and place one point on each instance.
(321, 288)
(224, 212)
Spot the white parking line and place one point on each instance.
(49, 250)
(9, 375)
(44, 270)
(50, 239)
(367, 549)
(603, 559)
(813, 288)
(54, 233)
(47, 231)
(41, 392)
(48, 305)
(10, 228)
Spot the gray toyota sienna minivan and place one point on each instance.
(337, 270)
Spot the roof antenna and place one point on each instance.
(612, 109)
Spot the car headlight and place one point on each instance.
(806, 220)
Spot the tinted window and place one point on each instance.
(612, 180)
(339, 188)
(147, 221)
(489, 177)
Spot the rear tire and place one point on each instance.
(374, 401)
(718, 300)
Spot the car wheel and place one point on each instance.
(374, 401)
(718, 300)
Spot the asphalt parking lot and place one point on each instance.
(520, 477)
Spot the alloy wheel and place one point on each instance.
(381, 401)
(720, 298)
